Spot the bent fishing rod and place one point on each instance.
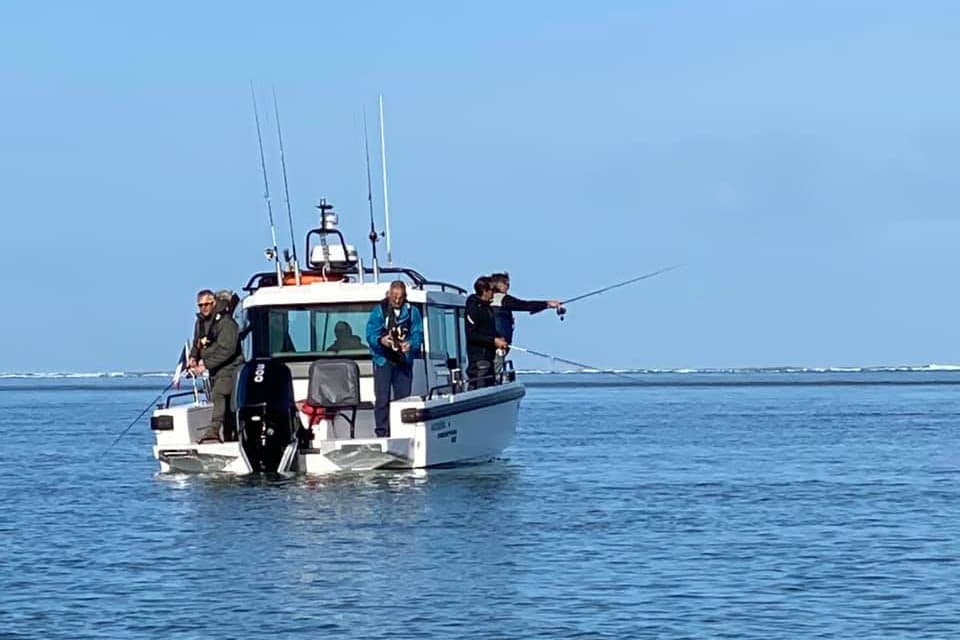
(575, 363)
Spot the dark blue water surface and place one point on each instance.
(728, 505)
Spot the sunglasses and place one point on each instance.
(204, 304)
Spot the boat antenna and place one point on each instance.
(272, 254)
(374, 236)
(386, 199)
(286, 189)
(325, 223)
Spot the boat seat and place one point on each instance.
(301, 370)
(333, 386)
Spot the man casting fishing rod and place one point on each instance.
(504, 305)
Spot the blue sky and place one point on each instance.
(798, 157)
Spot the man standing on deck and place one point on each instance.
(394, 335)
(503, 307)
(216, 350)
(483, 340)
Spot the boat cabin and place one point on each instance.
(324, 317)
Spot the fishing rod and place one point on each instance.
(623, 284)
(386, 200)
(575, 363)
(272, 254)
(373, 227)
(286, 189)
(137, 419)
(561, 310)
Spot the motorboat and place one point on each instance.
(303, 400)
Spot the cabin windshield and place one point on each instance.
(318, 331)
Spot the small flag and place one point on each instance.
(181, 365)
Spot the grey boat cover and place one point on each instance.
(334, 384)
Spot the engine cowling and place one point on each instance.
(267, 416)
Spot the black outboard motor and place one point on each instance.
(267, 415)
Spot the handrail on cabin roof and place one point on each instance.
(269, 279)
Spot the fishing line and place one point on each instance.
(575, 363)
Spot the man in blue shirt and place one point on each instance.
(395, 336)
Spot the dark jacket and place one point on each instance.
(216, 341)
(377, 327)
(346, 343)
(503, 307)
(480, 329)
(200, 330)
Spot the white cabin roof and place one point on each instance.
(343, 292)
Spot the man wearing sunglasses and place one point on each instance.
(216, 349)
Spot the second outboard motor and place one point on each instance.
(267, 416)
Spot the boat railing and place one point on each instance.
(269, 279)
(459, 386)
(179, 394)
(419, 281)
(200, 387)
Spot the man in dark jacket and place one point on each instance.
(504, 305)
(216, 350)
(395, 335)
(483, 340)
(205, 305)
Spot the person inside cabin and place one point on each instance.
(345, 338)
(504, 305)
(216, 350)
(395, 335)
(482, 337)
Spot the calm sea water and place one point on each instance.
(742, 506)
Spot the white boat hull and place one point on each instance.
(467, 427)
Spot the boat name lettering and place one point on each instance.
(450, 433)
(439, 425)
(258, 374)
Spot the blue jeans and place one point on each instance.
(395, 377)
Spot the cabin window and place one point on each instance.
(318, 331)
(462, 329)
(244, 323)
(443, 329)
(446, 334)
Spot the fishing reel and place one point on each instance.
(561, 312)
(396, 337)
